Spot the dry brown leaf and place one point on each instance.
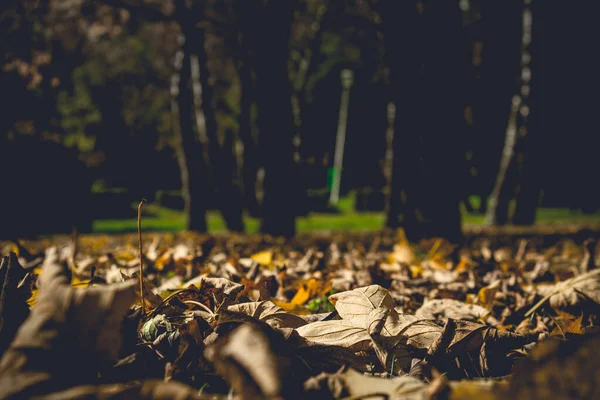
(449, 308)
(356, 305)
(148, 390)
(268, 312)
(572, 292)
(402, 334)
(336, 333)
(246, 358)
(151, 299)
(567, 323)
(67, 335)
(357, 385)
(480, 389)
(13, 305)
(559, 370)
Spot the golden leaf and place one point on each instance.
(263, 257)
(488, 294)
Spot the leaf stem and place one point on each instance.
(200, 305)
(139, 226)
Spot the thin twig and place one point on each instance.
(560, 329)
(139, 224)
(74, 237)
(166, 300)
(368, 395)
(200, 305)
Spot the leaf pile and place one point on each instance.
(329, 317)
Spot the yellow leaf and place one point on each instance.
(263, 258)
(416, 271)
(434, 248)
(290, 307)
(463, 265)
(471, 298)
(32, 300)
(310, 289)
(401, 236)
(488, 294)
(76, 282)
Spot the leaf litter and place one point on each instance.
(331, 317)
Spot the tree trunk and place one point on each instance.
(498, 210)
(250, 158)
(187, 147)
(501, 34)
(424, 46)
(402, 32)
(219, 158)
(518, 173)
(275, 118)
(531, 131)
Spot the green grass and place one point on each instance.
(162, 219)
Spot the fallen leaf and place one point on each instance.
(450, 308)
(572, 292)
(263, 258)
(246, 358)
(356, 305)
(13, 305)
(359, 386)
(79, 327)
(487, 295)
(268, 312)
(336, 333)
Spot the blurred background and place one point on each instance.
(296, 115)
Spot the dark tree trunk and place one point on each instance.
(424, 45)
(251, 160)
(219, 158)
(275, 118)
(518, 177)
(228, 185)
(402, 25)
(501, 34)
(275, 121)
(189, 149)
(531, 131)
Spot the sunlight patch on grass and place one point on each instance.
(160, 219)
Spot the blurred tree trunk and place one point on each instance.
(501, 35)
(532, 124)
(402, 33)
(187, 146)
(219, 159)
(518, 177)
(425, 55)
(191, 145)
(275, 117)
(499, 202)
(250, 158)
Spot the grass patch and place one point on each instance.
(160, 219)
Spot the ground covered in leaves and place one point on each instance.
(322, 317)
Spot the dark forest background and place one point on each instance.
(448, 109)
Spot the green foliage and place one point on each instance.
(320, 305)
(166, 220)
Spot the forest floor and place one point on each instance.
(343, 315)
